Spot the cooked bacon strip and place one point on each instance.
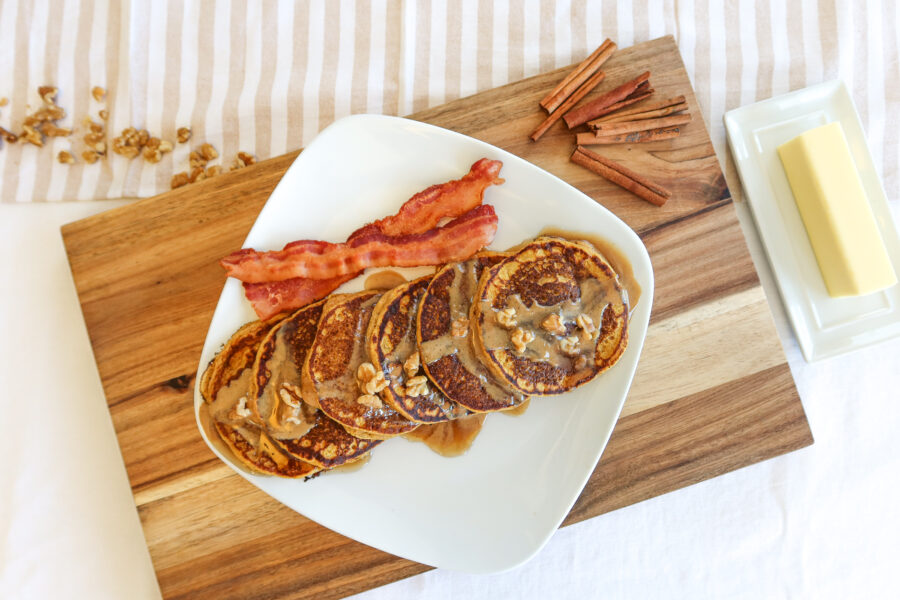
(451, 199)
(418, 214)
(272, 297)
(457, 240)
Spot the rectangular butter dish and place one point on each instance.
(824, 326)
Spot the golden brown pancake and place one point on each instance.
(445, 340)
(391, 346)
(551, 317)
(274, 396)
(224, 386)
(330, 373)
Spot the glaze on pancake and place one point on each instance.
(329, 378)
(391, 346)
(445, 341)
(274, 396)
(551, 317)
(224, 386)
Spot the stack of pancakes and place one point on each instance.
(306, 392)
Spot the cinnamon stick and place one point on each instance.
(647, 107)
(643, 125)
(639, 116)
(596, 107)
(632, 99)
(621, 176)
(578, 76)
(571, 101)
(636, 137)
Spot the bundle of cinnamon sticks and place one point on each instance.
(618, 116)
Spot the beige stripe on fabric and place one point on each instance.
(362, 42)
(296, 105)
(18, 96)
(421, 56)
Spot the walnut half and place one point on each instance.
(586, 324)
(460, 327)
(554, 324)
(520, 339)
(417, 386)
(507, 317)
(569, 345)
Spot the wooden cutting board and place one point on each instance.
(712, 392)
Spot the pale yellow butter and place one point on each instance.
(836, 213)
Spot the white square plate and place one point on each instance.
(824, 326)
(494, 507)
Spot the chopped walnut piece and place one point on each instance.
(180, 179)
(98, 93)
(213, 171)
(9, 136)
(104, 114)
(51, 130)
(208, 152)
(48, 93)
(365, 371)
(520, 339)
(197, 174)
(196, 160)
(586, 324)
(143, 137)
(242, 160)
(507, 317)
(294, 420)
(370, 379)
(32, 135)
(152, 143)
(411, 365)
(460, 327)
(65, 157)
(375, 384)
(369, 400)
(183, 134)
(43, 121)
(152, 155)
(417, 386)
(288, 399)
(554, 324)
(165, 146)
(90, 156)
(241, 409)
(569, 345)
(4, 101)
(580, 362)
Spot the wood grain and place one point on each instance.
(712, 392)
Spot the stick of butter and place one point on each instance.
(836, 213)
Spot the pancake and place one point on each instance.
(391, 347)
(450, 360)
(330, 373)
(275, 400)
(224, 386)
(551, 317)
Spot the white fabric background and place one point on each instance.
(818, 523)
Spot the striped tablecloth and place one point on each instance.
(265, 77)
